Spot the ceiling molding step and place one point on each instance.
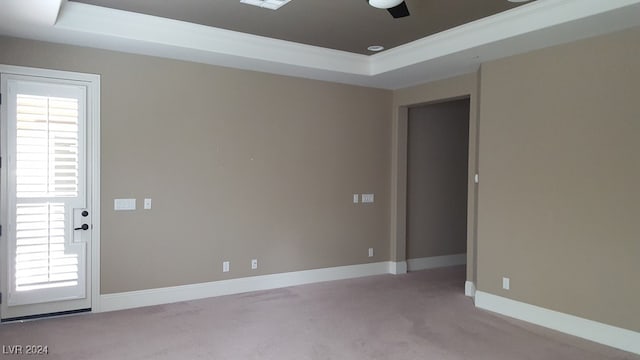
(33, 12)
(83, 18)
(525, 19)
(457, 51)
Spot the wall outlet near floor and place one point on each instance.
(225, 266)
(370, 252)
(505, 283)
(254, 264)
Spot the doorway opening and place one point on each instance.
(437, 184)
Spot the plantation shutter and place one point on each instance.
(47, 165)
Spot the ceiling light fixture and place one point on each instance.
(267, 4)
(384, 4)
(397, 8)
(375, 48)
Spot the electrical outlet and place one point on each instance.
(225, 266)
(370, 252)
(505, 283)
(254, 264)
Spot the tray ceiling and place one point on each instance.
(348, 25)
(321, 39)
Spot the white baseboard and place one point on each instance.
(588, 329)
(133, 299)
(397, 267)
(436, 262)
(469, 289)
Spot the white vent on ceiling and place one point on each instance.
(269, 4)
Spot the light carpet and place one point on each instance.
(420, 315)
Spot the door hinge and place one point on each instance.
(0, 230)
(0, 298)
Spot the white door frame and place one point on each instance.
(92, 82)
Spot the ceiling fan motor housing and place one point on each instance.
(384, 4)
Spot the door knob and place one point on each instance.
(84, 213)
(83, 227)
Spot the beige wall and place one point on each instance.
(558, 150)
(465, 86)
(239, 164)
(559, 202)
(437, 158)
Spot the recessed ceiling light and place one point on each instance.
(268, 4)
(375, 48)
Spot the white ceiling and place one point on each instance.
(456, 51)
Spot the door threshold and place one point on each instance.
(44, 316)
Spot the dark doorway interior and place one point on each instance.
(437, 180)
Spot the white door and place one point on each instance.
(46, 186)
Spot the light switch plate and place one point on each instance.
(355, 198)
(147, 204)
(124, 204)
(367, 198)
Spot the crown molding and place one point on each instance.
(536, 16)
(83, 18)
(32, 12)
(453, 52)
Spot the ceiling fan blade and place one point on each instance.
(399, 11)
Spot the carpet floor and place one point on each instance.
(420, 315)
